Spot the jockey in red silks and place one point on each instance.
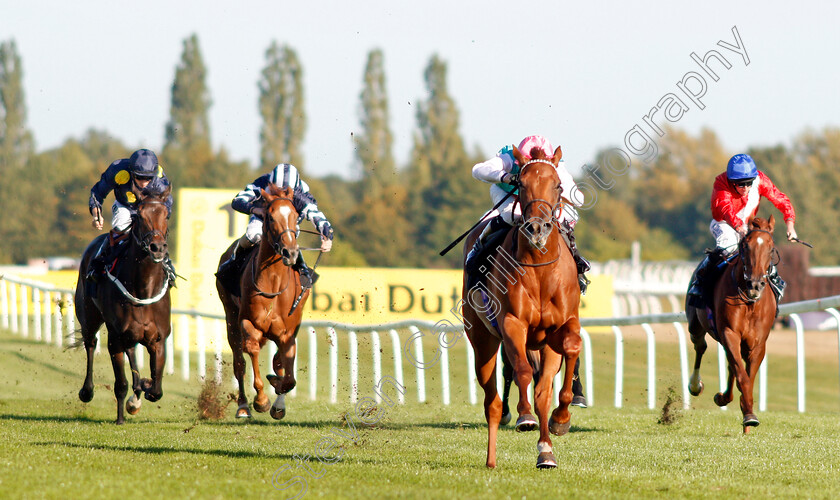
(735, 199)
(501, 171)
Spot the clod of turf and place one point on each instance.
(671, 411)
(211, 403)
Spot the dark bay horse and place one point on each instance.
(267, 309)
(743, 312)
(132, 299)
(533, 297)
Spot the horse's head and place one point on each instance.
(758, 253)
(280, 222)
(539, 194)
(150, 225)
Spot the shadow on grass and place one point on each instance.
(159, 450)
(53, 419)
(40, 363)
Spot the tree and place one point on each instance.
(187, 150)
(374, 145)
(281, 108)
(16, 143)
(443, 196)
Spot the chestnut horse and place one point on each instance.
(532, 294)
(133, 302)
(743, 312)
(267, 308)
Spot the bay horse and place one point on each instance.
(533, 298)
(267, 308)
(743, 313)
(132, 299)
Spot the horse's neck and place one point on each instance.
(139, 272)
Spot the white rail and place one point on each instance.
(47, 313)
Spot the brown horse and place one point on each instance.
(532, 294)
(133, 302)
(743, 313)
(267, 308)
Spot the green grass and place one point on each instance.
(54, 446)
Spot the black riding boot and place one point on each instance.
(105, 256)
(230, 269)
(489, 239)
(583, 265)
(308, 277)
(777, 284)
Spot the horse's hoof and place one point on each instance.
(132, 405)
(146, 384)
(579, 401)
(152, 396)
(119, 421)
(559, 429)
(719, 400)
(698, 392)
(546, 460)
(262, 408)
(277, 414)
(506, 418)
(526, 423)
(86, 395)
(243, 412)
(750, 420)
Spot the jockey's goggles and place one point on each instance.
(743, 183)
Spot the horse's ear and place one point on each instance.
(755, 223)
(558, 155)
(517, 155)
(771, 222)
(166, 192)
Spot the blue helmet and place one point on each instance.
(741, 167)
(143, 163)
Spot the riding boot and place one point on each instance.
(489, 238)
(583, 265)
(777, 284)
(105, 256)
(229, 270)
(308, 277)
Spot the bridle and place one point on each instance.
(743, 252)
(144, 240)
(551, 220)
(277, 245)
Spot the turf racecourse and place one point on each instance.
(53, 446)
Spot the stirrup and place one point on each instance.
(583, 282)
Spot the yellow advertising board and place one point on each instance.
(207, 226)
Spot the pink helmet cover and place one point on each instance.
(535, 141)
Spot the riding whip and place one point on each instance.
(459, 238)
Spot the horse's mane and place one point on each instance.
(538, 154)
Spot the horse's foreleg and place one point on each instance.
(252, 346)
(542, 399)
(571, 345)
(132, 406)
(120, 382)
(698, 338)
(753, 362)
(235, 341)
(284, 367)
(514, 345)
(86, 392)
(486, 346)
(154, 387)
(507, 374)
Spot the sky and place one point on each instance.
(583, 74)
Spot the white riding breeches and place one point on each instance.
(121, 219)
(254, 230)
(726, 237)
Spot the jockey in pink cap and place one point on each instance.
(501, 172)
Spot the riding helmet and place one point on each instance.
(741, 167)
(143, 163)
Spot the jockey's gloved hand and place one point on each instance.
(791, 232)
(509, 179)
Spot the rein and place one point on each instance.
(143, 243)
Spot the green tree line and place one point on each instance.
(390, 215)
